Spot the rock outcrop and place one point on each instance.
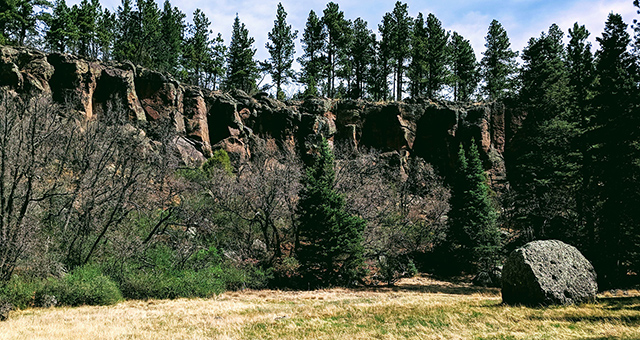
(548, 272)
(207, 120)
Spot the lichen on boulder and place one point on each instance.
(547, 273)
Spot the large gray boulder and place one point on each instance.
(547, 273)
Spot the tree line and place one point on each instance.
(340, 57)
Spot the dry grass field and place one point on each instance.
(418, 308)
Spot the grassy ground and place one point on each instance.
(418, 308)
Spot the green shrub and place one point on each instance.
(85, 285)
(21, 291)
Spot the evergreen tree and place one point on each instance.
(419, 49)
(125, 45)
(242, 70)
(614, 156)
(581, 74)
(281, 49)
(62, 31)
(85, 19)
(396, 42)
(196, 50)
(148, 37)
(313, 60)
(215, 69)
(362, 51)
(105, 34)
(19, 19)
(464, 68)
(544, 169)
(378, 84)
(498, 65)
(338, 34)
(473, 238)
(171, 38)
(437, 57)
(330, 248)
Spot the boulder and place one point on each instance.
(546, 273)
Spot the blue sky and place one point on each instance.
(522, 19)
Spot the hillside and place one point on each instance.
(208, 120)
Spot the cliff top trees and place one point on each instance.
(242, 70)
(498, 65)
(281, 49)
(464, 68)
(396, 42)
(330, 248)
(196, 48)
(338, 38)
(312, 60)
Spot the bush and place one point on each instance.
(21, 292)
(85, 285)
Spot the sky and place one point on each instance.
(522, 19)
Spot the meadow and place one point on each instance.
(418, 308)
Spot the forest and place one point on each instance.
(91, 212)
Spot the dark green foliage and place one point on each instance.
(171, 38)
(419, 49)
(544, 168)
(85, 285)
(498, 65)
(473, 237)
(196, 48)
(19, 20)
(336, 48)
(396, 42)
(361, 52)
(464, 68)
(313, 60)
(242, 70)
(614, 155)
(437, 57)
(62, 30)
(330, 248)
(378, 85)
(281, 48)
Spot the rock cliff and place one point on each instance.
(206, 120)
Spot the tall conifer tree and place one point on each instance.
(464, 68)
(498, 65)
(281, 49)
(242, 70)
(330, 249)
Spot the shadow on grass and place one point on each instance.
(435, 287)
(620, 303)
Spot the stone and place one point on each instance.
(548, 272)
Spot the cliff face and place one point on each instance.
(206, 120)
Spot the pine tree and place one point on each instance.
(215, 69)
(242, 70)
(544, 170)
(105, 34)
(330, 248)
(61, 31)
(125, 45)
(85, 19)
(377, 83)
(196, 50)
(396, 42)
(419, 50)
(464, 68)
(614, 155)
(473, 237)
(498, 65)
(437, 57)
(313, 60)
(172, 28)
(337, 43)
(362, 51)
(281, 49)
